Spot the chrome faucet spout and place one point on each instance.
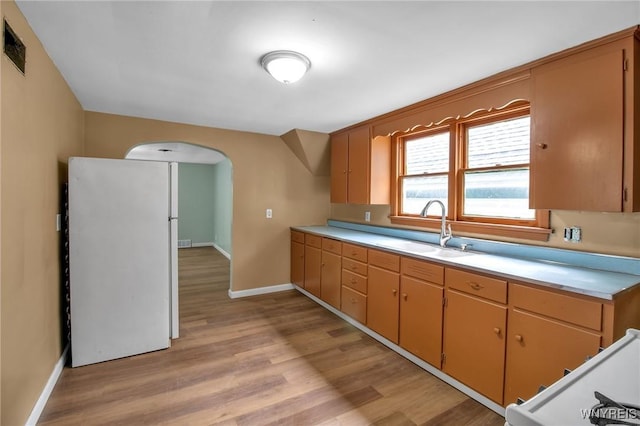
(445, 231)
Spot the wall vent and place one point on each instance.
(184, 243)
(13, 47)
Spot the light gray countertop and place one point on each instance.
(591, 282)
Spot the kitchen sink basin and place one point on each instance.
(409, 246)
(425, 249)
(450, 253)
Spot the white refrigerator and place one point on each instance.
(123, 257)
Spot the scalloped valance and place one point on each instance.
(489, 97)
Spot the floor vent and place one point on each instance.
(184, 243)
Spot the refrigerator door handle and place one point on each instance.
(173, 218)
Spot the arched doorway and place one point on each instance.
(203, 176)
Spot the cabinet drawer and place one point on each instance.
(297, 236)
(573, 310)
(384, 260)
(355, 281)
(423, 270)
(313, 240)
(354, 304)
(332, 245)
(354, 266)
(478, 285)
(354, 252)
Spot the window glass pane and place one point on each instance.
(500, 193)
(428, 154)
(500, 143)
(417, 191)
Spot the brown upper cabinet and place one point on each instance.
(360, 167)
(583, 130)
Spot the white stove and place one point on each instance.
(614, 374)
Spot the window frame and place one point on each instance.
(534, 229)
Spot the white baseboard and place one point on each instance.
(221, 250)
(48, 388)
(260, 290)
(201, 244)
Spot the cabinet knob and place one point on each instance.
(519, 337)
(353, 301)
(404, 296)
(542, 145)
(497, 330)
(394, 291)
(353, 280)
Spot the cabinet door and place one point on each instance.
(474, 344)
(358, 172)
(382, 302)
(297, 263)
(312, 269)
(330, 287)
(339, 167)
(577, 133)
(421, 319)
(538, 351)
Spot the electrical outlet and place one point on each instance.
(367, 216)
(269, 213)
(576, 234)
(573, 234)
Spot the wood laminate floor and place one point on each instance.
(272, 359)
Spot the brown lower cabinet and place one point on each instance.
(421, 319)
(297, 258)
(383, 306)
(502, 339)
(330, 288)
(547, 333)
(474, 344)
(312, 264)
(354, 282)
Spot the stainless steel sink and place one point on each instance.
(409, 246)
(425, 249)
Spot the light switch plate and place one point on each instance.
(367, 216)
(269, 213)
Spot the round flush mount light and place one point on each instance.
(285, 66)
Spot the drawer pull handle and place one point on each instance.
(353, 301)
(519, 338)
(496, 330)
(474, 285)
(542, 145)
(353, 280)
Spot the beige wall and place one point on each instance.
(266, 174)
(610, 233)
(42, 125)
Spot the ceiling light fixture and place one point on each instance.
(285, 66)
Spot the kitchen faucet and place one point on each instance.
(445, 231)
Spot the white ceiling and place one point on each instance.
(198, 62)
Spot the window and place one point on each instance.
(426, 171)
(478, 167)
(495, 172)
